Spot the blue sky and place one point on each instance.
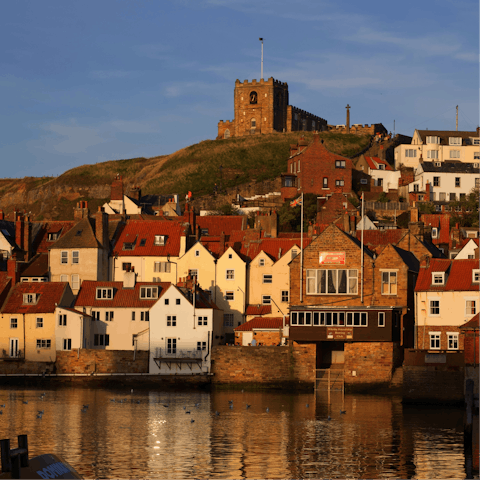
(91, 81)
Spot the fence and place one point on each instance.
(178, 353)
(330, 379)
(386, 206)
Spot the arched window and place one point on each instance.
(226, 134)
(253, 98)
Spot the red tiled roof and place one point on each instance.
(216, 224)
(471, 324)
(277, 247)
(272, 323)
(38, 266)
(135, 231)
(440, 221)
(258, 310)
(75, 311)
(458, 275)
(381, 237)
(371, 164)
(122, 297)
(50, 295)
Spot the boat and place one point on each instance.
(16, 464)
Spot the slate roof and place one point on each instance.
(41, 230)
(50, 295)
(80, 236)
(458, 275)
(408, 258)
(264, 323)
(122, 297)
(445, 135)
(449, 167)
(135, 231)
(258, 310)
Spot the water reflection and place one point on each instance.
(150, 434)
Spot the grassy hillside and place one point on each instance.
(197, 168)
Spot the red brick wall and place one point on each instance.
(264, 365)
(372, 362)
(423, 336)
(22, 368)
(289, 193)
(471, 346)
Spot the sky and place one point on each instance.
(91, 81)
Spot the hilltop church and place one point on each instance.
(262, 107)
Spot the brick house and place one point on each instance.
(360, 324)
(316, 170)
(265, 331)
(446, 297)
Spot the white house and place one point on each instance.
(184, 325)
(448, 181)
(439, 146)
(72, 329)
(468, 250)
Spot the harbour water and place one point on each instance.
(124, 434)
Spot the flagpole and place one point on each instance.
(301, 253)
(363, 227)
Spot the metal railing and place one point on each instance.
(329, 379)
(175, 353)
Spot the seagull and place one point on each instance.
(184, 407)
(329, 418)
(138, 401)
(307, 405)
(3, 406)
(39, 416)
(112, 399)
(131, 391)
(41, 412)
(343, 411)
(165, 405)
(187, 411)
(248, 406)
(192, 420)
(83, 410)
(268, 409)
(230, 401)
(1, 412)
(217, 412)
(85, 406)
(25, 402)
(231, 405)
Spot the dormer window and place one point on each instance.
(30, 298)
(128, 246)
(432, 140)
(476, 276)
(148, 292)
(52, 236)
(204, 232)
(438, 278)
(143, 241)
(455, 140)
(104, 293)
(434, 232)
(160, 240)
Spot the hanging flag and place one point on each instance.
(297, 201)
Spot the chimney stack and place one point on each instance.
(101, 227)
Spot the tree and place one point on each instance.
(289, 217)
(465, 212)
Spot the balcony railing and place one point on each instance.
(179, 353)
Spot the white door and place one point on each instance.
(247, 338)
(14, 347)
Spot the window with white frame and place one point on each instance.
(325, 182)
(133, 316)
(357, 319)
(126, 266)
(455, 140)
(434, 308)
(434, 340)
(285, 296)
(476, 156)
(438, 278)
(39, 322)
(159, 240)
(416, 187)
(266, 300)
(30, 298)
(411, 153)
(229, 295)
(294, 253)
(171, 320)
(202, 321)
(162, 267)
(75, 256)
(171, 346)
(104, 293)
(197, 253)
(339, 163)
(457, 181)
(230, 256)
(470, 307)
(62, 319)
(95, 315)
(193, 272)
(64, 278)
(432, 154)
(230, 275)
(436, 181)
(228, 319)
(453, 197)
(476, 141)
(267, 279)
(67, 343)
(75, 282)
(434, 232)
(145, 316)
(109, 316)
(381, 319)
(433, 139)
(389, 282)
(363, 181)
(64, 257)
(339, 183)
(13, 323)
(44, 343)
(454, 153)
(476, 276)
(332, 282)
(148, 292)
(452, 340)
(201, 346)
(261, 262)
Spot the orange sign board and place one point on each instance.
(339, 333)
(332, 258)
